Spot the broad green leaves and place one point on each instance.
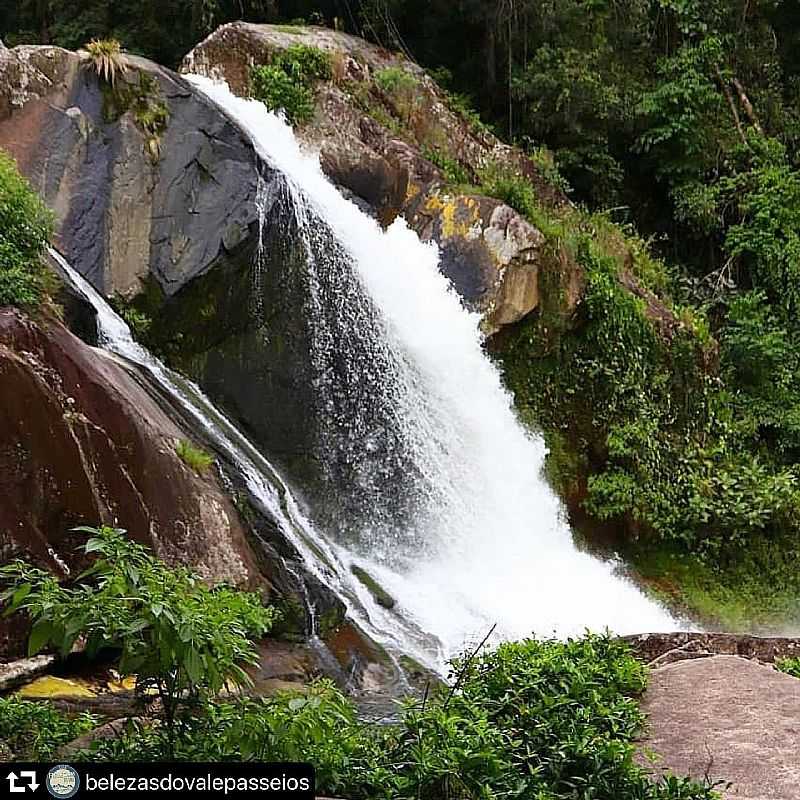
(180, 638)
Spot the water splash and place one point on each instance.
(439, 485)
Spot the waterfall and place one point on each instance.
(439, 487)
(322, 558)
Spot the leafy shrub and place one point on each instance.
(280, 92)
(540, 719)
(305, 64)
(287, 83)
(181, 639)
(25, 227)
(34, 731)
(791, 666)
(395, 80)
(545, 162)
(193, 457)
(105, 55)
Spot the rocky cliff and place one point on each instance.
(388, 134)
(147, 180)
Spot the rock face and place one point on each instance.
(82, 443)
(130, 203)
(653, 647)
(378, 144)
(728, 719)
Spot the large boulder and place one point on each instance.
(382, 147)
(136, 193)
(83, 443)
(729, 720)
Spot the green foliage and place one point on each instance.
(181, 639)
(279, 92)
(287, 83)
(305, 64)
(542, 719)
(105, 56)
(25, 228)
(791, 666)
(454, 173)
(194, 457)
(34, 731)
(682, 111)
(395, 80)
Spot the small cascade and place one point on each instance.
(431, 484)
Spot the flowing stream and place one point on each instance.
(438, 486)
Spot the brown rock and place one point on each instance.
(728, 719)
(652, 646)
(82, 443)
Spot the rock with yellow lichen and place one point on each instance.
(390, 136)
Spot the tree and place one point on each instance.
(181, 639)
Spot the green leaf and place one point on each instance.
(40, 636)
(194, 665)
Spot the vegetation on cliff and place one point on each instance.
(25, 228)
(286, 83)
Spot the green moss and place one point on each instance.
(194, 457)
(751, 590)
(297, 29)
(291, 622)
(330, 621)
(382, 597)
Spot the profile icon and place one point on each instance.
(62, 781)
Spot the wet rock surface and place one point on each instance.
(82, 442)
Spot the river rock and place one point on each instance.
(730, 720)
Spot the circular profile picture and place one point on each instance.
(62, 781)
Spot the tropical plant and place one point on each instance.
(182, 640)
(106, 56)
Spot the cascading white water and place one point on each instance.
(483, 539)
(322, 558)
